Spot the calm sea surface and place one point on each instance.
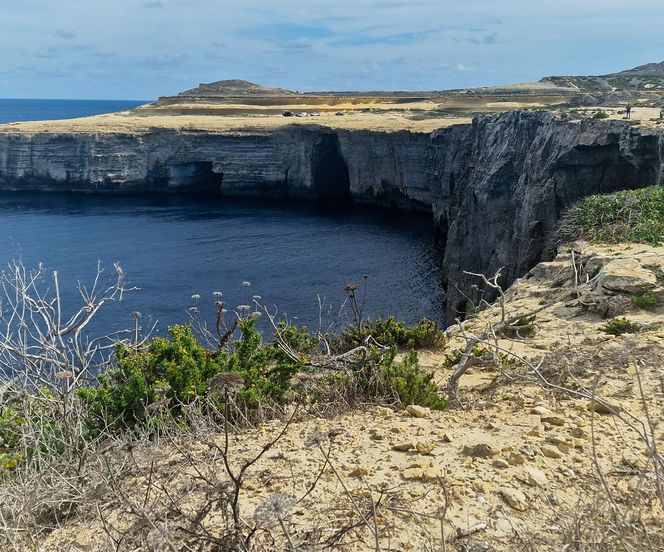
(176, 247)
(12, 110)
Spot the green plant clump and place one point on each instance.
(390, 333)
(171, 373)
(381, 378)
(627, 216)
(645, 300)
(619, 326)
(601, 115)
(178, 371)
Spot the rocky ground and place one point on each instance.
(526, 460)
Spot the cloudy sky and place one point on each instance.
(141, 49)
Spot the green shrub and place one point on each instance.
(524, 327)
(380, 377)
(645, 300)
(628, 216)
(176, 371)
(453, 358)
(11, 450)
(390, 333)
(601, 115)
(619, 326)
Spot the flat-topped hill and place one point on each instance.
(234, 87)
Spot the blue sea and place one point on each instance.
(294, 254)
(13, 110)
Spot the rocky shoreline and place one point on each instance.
(496, 187)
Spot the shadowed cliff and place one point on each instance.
(496, 187)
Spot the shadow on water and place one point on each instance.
(175, 246)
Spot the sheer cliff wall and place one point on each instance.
(496, 188)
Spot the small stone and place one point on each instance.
(421, 472)
(424, 448)
(403, 447)
(554, 420)
(417, 411)
(533, 476)
(384, 412)
(579, 443)
(358, 472)
(529, 450)
(563, 447)
(504, 526)
(579, 433)
(541, 411)
(516, 459)
(500, 463)
(536, 431)
(481, 450)
(551, 451)
(605, 407)
(446, 438)
(515, 498)
(480, 486)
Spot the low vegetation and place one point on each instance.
(620, 326)
(627, 216)
(148, 384)
(645, 300)
(391, 333)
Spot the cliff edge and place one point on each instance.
(496, 186)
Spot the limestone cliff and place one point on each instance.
(496, 187)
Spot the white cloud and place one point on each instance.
(156, 47)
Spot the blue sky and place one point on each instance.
(141, 49)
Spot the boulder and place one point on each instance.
(626, 276)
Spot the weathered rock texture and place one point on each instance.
(496, 187)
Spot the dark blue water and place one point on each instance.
(176, 247)
(12, 110)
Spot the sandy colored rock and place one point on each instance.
(480, 450)
(606, 406)
(626, 276)
(403, 447)
(532, 476)
(541, 411)
(554, 419)
(424, 447)
(417, 411)
(515, 498)
(551, 451)
(421, 471)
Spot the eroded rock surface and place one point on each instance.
(496, 187)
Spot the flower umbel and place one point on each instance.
(274, 510)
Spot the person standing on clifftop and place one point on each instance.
(661, 112)
(628, 111)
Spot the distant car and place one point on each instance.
(314, 114)
(339, 114)
(301, 114)
(288, 113)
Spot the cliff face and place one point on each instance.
(502, 184)
(496, 187)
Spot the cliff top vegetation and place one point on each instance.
(626, 216)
